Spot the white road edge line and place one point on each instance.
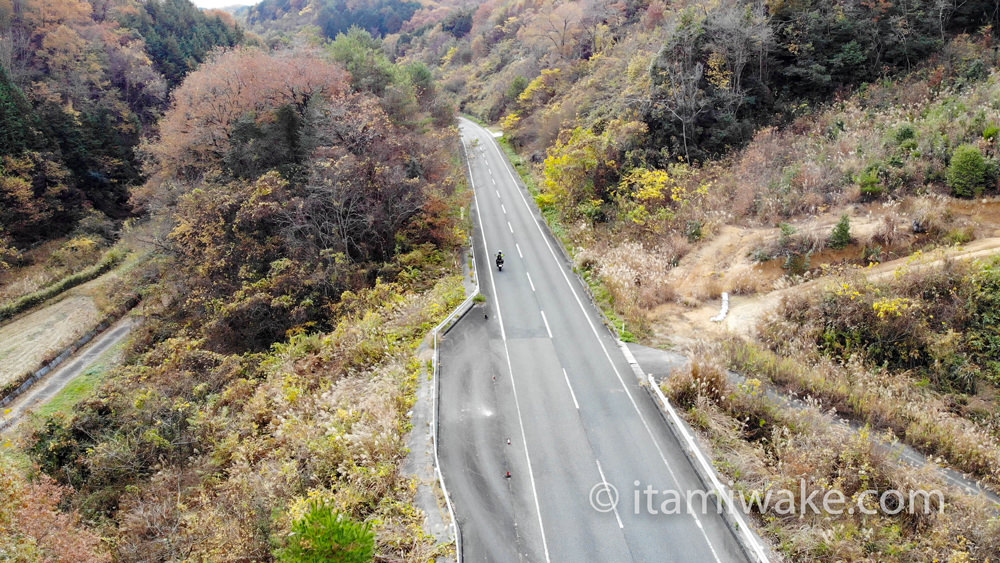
(607, 487)
(734, 513)
(518, 247)
(571, 393)
(529, 281)
(510, 370)
(546, 321)
(601, 342)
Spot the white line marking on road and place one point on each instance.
(546, 321)
(593, 329)
(498, 193)
(607, 487)
(504, 209)
(529, 281)
(571, 393)
(493, 180)
(509, 227)
(510, 371)
(518, 247)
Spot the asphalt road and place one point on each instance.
(535, 366)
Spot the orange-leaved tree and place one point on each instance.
(196, 132)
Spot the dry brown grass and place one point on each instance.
(28, 341)
(749, 281)
(877, 397)
(761, 445)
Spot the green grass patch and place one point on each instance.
(474, 119)
(77, 390)
(82, 387)
(10, 453)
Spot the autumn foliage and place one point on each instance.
(32, 527)
(79, 87)
(197, 132)
(311, 230)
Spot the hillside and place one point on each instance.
(81, 83)
(329, 17)
(300, 233)
(307, 233)
(833, 166)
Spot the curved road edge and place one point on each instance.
(441, 329)
(751, 543)
(745, 535)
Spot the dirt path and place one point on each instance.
(746, 312)
(49, 386)
(723, 265)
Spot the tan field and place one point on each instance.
(31, 339)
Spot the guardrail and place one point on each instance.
(442, 328)
(741, 529)
(435, 370)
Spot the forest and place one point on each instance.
(303, 220)
(294, 173)
(81, 84)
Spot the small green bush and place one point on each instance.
(904, 133)
(990, 131)
(693, 230)
(797, 264)
(841, 235)
(785, 238)
(967, 172)
(870, 183)
(323, 535)
(960, 236)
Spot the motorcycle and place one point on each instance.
(499, 263)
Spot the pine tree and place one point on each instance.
(841, 235)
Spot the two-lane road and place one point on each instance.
(534, 366)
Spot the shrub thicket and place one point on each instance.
(967, 172)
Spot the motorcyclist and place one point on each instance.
(499, 260)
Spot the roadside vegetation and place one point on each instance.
(649, 128)
(303, 256)
(914, 355)
(763, 445)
